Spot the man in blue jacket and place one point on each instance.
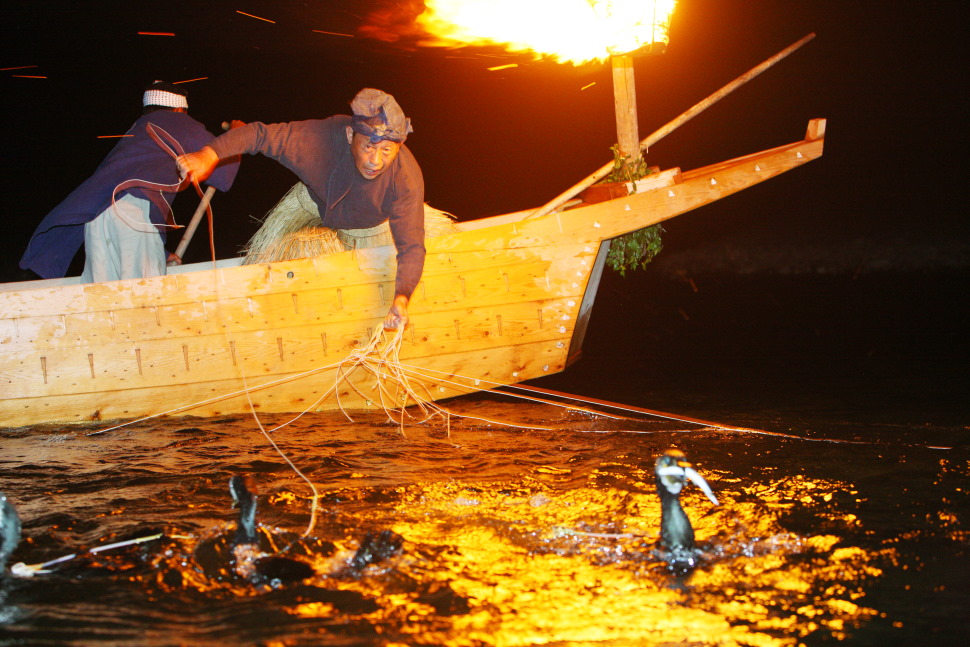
(122, 212)
(356, 169)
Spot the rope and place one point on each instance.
(314, 503)
(29, 570)
(153, 190)
(380, 358)
(395, 392)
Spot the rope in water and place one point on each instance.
(380, 359)
(314, 501)
(29, 570)
(387, 367)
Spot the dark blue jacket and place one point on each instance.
(61, 233)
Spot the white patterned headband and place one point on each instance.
(165, 99)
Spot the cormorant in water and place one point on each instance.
(251, 562)
(676, 534)
(9, 530)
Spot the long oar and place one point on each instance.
(604, 170)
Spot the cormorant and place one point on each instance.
(255, 565)
(251, 562)
(676, 534)
(9, 530)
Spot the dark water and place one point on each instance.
(848, 523)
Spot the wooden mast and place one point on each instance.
(625, 103)
(670, 126)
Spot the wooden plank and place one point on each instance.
(648, 208)
(295, 348)
(455, 374)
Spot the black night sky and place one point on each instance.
(887, 196)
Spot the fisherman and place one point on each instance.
(121, 212)
(357, 171)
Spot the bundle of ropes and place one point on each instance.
(292, 230)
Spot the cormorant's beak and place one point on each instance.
(683, 470)
(699, 481)
(232, 493)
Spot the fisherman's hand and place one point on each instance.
(397, 316)
(197, 166)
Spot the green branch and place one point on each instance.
(636, 249)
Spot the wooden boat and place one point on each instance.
(505, 299)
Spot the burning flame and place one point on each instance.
(569, 31)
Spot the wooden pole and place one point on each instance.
(625, 105)
(197, 216)
(668, 128)
(194, 223)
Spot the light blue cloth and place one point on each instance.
(123, 243)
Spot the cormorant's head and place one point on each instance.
(243, 490)
(244, 494)
(672, 471)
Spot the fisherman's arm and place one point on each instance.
(293, 144)
(407, 228)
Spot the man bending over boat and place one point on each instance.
(121, 212)
(356, 169)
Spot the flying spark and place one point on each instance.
(332, 33)
(256, 17)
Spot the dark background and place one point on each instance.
(853, 266)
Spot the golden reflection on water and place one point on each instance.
(558, 554)
(563, 557)
(538, 565)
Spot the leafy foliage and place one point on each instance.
(636, 249)
(626, 170)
